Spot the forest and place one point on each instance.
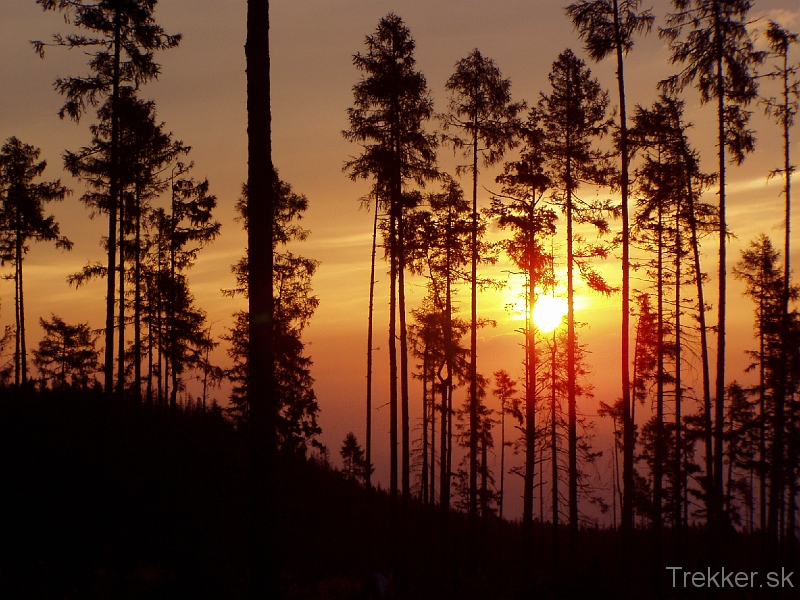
(154, 445)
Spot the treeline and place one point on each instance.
(702, 451)
(138, 176)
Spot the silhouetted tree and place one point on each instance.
(741, 440)
(439, 249)
(573, 116)
(355, 465)
(486, 496)
(719, 57)
(66, 356)
(671, 185)
(145, 152)
(22, 221)
(481, 111)
(608, 26)
(760, 271)
(121, 41)
(784, 112)
(523, 208)
(509, 404)
(294, 304)
(391, 106)
(264, 405)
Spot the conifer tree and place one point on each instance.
(573, 116)
(784, 112)
(66, 356)
(261, 391)
(439, 250)
(146, 152)
(121, 40)
(391, 106)
(719, 58)
(522, 207)
(671, 184)
(505, 391)
(294, 305)
(759, 269)
(22, 220)
(481, 112)
(608, 26)
(355, 465)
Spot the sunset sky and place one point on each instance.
(200, 95)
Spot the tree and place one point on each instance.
(509, 404)
(145, 152)
(719, 56)
(438, 245)
(66, 356)
(523, 209)
(573, 116)
(355, 465)
(760, 271)
(391, 106)
(481, 108)
(294, 305)
(784, 112)
(671, 179)
(22, 220)
(261, 392)
(125, 37)
(608, 26)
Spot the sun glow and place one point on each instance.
(548, 312)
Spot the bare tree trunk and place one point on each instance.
(121, 308)
(571, 389)
(719, 416)
(444, 479)
(368, 474)
(432, 469)
(554, 442)
(137, 300)
(17, 329)
(393, 352)
(425, 421)
(678, 336)
(659, 449)
(113, 198)
(627, 425)
(406, 439)
(530, 413)
(23, 344)
(473, 345)
(701, 321)
(264, 570)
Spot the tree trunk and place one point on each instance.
(121, 308)
(627, 425)
(473, 344)
(658, 460)
(368, 474)
(554, 442)
(393, 351)
(406, 439)
(113, 198)
(264, 569)
(719, 413)
(678, 337)
(571, 389)
(137, 299)
(530, 415)
(425, 421)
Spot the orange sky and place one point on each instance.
(201, 98)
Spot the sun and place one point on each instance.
(548, 312)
